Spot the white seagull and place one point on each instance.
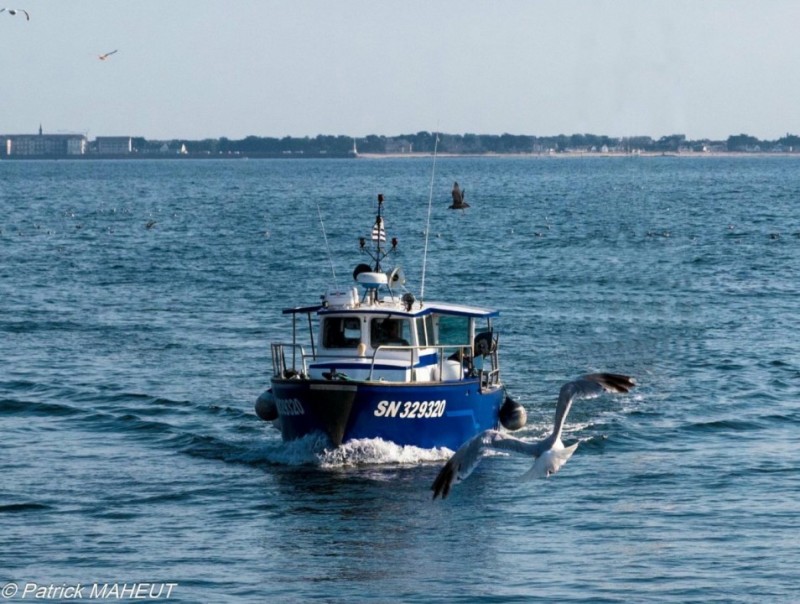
(549, 454)
(14, 11)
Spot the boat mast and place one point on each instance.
(378, 236)
(379, 233)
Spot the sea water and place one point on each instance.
(138, 300)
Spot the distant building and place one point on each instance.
(43, 145)
(114, 145)
(399, 145)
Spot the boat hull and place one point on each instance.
(425, 415)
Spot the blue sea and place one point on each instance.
(138, 300)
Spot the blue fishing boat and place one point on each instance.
(376, 362)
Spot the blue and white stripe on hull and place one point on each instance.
(426, 416)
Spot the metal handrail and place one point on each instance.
(487, 377)
(440, 349)
(391, 347)
(279, 357)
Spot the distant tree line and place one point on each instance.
(424, 142)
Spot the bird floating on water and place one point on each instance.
(14, 11)
(549, 454)
(103, 57)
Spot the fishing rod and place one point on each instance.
(327, 247)
(428, 223)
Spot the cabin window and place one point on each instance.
(425, 333)
(341, 332)
(390, 332)
(453, 330)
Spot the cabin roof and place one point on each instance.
(428, 308)
(301, 310)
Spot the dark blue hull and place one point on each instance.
(426, 415)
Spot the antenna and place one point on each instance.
(378, 237)
(379, 234)
(327, 247)
(428, 224)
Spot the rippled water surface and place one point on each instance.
(138, 299)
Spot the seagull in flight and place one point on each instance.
(548, 454)
(106, 55)
(14, 11)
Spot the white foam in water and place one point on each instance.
(379, 451)
(316, 450)
(303, 451)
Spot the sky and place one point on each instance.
(196, 69)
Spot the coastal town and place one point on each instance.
(44, 145)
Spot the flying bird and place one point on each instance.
(108, 54)
(458, 198)
(549, 454)
(14, 11)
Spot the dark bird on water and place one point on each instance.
(458, 198)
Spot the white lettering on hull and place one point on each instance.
(410, 409)
(289, 406)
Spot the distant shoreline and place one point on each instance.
(378, 156)
(421, 144)
(581, 155)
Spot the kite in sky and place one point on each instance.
(105, 56)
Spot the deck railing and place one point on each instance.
(488, 370)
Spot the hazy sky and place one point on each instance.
(200, 69)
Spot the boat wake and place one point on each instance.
(316, 450)
(378, 451)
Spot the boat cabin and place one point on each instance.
(390, 340)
